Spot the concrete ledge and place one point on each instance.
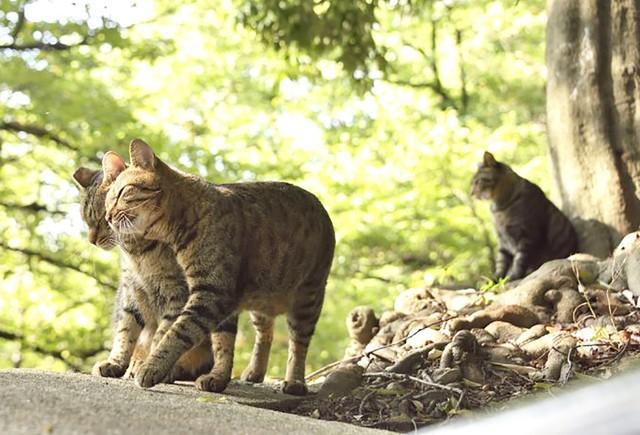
(34, 401)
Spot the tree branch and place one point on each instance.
(445, 99)
(37, 131)
(366, 275)
(436, 84)
(20, 23)
(44, 46)
(464, 96)
(34, 207)
(434, 57)
(36, 45)
(56, 262)
(12, 336)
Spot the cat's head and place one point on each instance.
(488, 178)
(94, 185)
(133, 202)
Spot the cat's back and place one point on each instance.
(288, 237)
(278, 204)
(536, 213)
(561, 236)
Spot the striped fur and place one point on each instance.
(151, 294)
(531, 229)
(262, 247)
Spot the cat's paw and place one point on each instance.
(108, 369)
(499, 275)
(149, 375)
(134, 368)
(252, 375)
(212, 382)
(295, 388)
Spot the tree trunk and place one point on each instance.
(593, 88)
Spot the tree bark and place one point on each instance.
(593, 89)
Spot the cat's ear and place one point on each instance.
(112, 165)
(84, 176)
(489, 160)
(141, 155)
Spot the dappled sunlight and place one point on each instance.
(389, 156)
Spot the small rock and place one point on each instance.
(415, 300)
(447, 375)
(425, 336)
(344, 379)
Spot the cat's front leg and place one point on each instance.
(212, 271)
(171, 297)
(142, 349)
(170, 313)
(519, 266)
(169, 316)
(504, 259)
(200, 315)
(223, 341)
(128, 329)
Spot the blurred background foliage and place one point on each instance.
(380, 107)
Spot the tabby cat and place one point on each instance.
(152, 289)
(531, 230)
(266, 247)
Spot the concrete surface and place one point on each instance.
(36, 402)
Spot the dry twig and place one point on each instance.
(324, 369)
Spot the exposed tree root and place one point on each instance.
(440, 351)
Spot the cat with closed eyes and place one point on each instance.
(152, 289)
(265, 247)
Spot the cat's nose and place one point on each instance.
(93, 237)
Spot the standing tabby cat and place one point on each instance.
(264, 247)
(152, 290)
(531, 230)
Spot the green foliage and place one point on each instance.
(380, 108)
(342, 30)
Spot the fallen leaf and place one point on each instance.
(212, 399)
(542, 386)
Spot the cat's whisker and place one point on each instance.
(114, 239)
(128, 223)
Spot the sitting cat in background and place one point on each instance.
(152, 289)
(266, 247)
(531, 229)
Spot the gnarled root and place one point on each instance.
(503, 332)
(362, 325)
(463, 353)
(515, 314)
(559, 361)
(388, 317)
(565, 301)
(560, 347)
(605, 301)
